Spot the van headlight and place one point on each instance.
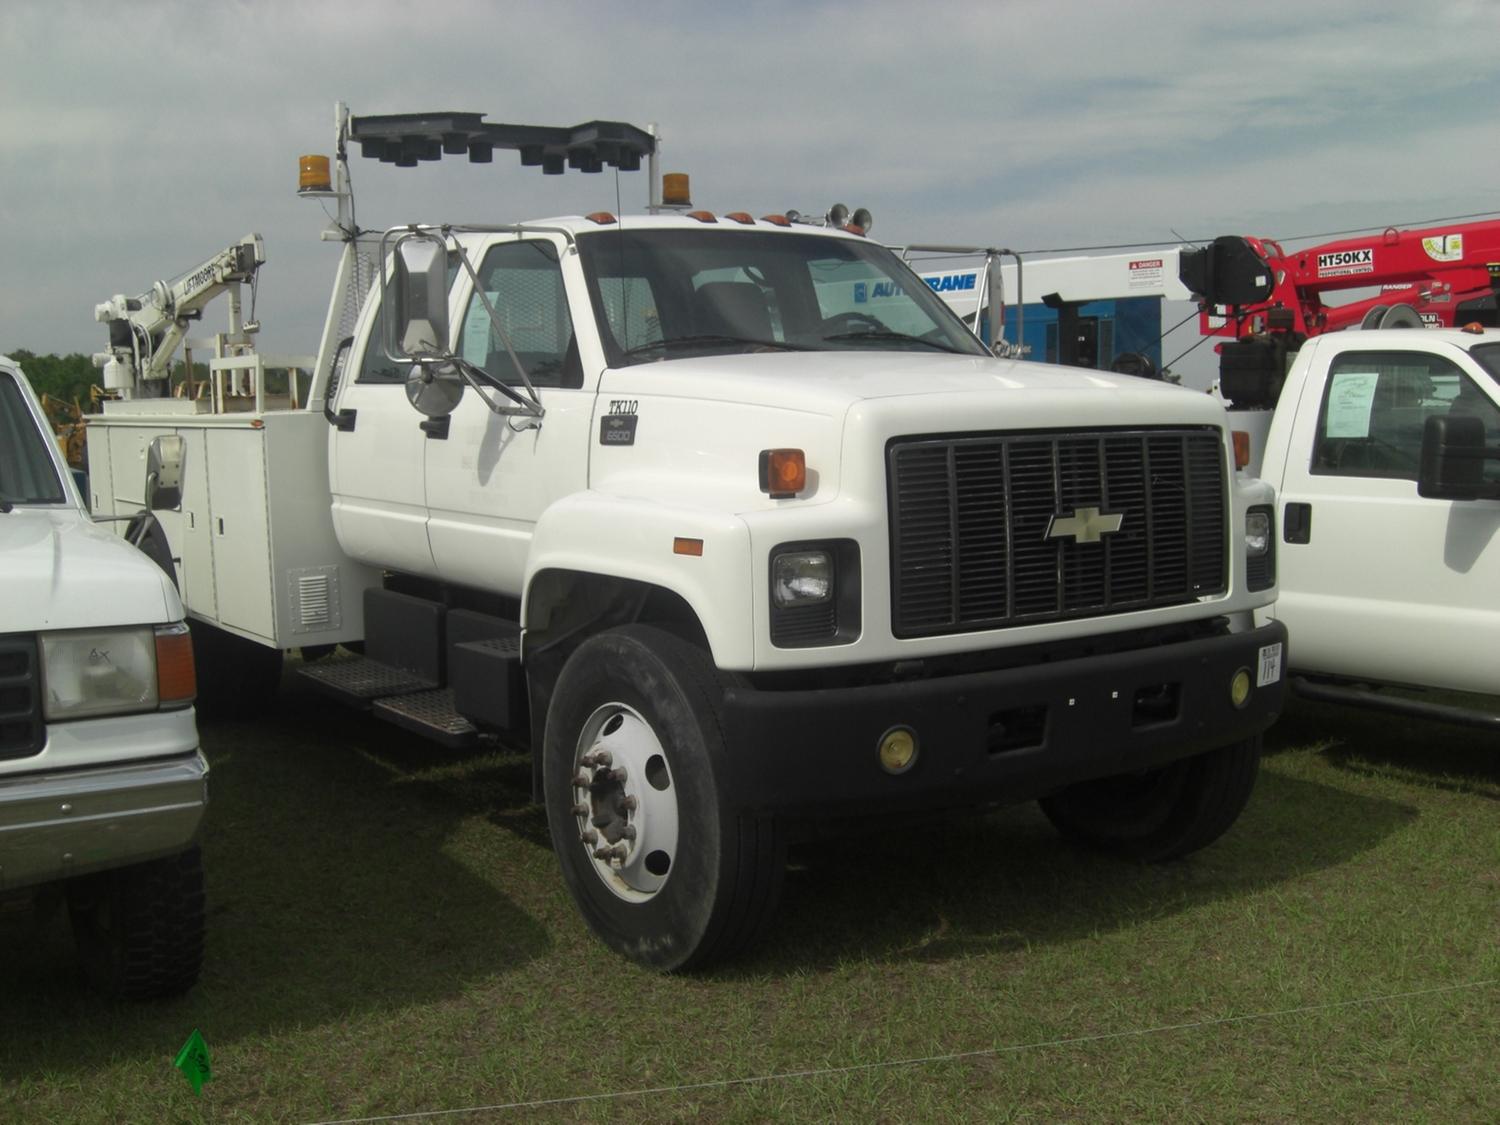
(92, 672)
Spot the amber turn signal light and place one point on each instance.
(176, 677)
(783, 472)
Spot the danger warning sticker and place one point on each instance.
(1145, 273)
(1346, 263)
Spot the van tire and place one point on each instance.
(140, 929)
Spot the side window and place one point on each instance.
(1376, 405)
(524, 284)
(375, 366)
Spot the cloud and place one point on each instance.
(135, 147)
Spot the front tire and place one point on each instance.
(1160, 814)
(140, 929)
(661, 865)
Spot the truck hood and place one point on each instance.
(61, 571)
(831, 383)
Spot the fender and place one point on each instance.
(633, 539)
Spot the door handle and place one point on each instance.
(1296, 522)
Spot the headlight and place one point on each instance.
(92, 672)
(1260, 548)
(815, 593)
(801, 578)
(1257, 532)
(98, 672)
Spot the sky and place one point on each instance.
(137, 140)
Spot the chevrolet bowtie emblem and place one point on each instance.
(1086, 525)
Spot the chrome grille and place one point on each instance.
(971, 515)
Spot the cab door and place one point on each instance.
(376, 462)
(1377, 582)
(489, 480)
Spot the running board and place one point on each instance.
(1373, 700)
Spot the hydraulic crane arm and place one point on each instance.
(145, 331)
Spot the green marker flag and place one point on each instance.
(192, 1060)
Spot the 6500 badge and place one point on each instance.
(618, 426)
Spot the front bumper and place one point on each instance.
(998, 736)
(64, 823)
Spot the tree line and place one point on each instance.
(70, 377)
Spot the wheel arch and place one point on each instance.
(565, 607)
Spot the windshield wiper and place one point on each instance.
(898, 337)
(711, 341)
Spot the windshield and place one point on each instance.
(27, 474)
(666, 294)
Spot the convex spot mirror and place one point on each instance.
(420, 296)
(434, 389)
(164, 472)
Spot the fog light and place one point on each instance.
(1239, 688)
(898, 750)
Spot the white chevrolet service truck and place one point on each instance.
(658, 497)
(102, 784)
(1384, 450)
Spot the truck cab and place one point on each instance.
(102, 784)
(1385, 580)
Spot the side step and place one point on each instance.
(418, 705)
(358, 680)
(431, 715)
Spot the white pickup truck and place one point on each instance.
(735, 553)
(1384, 449)
(102, 783)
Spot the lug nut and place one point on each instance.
(628, 832)
(583, 808)
(629, 803)
(618, 775)
(590, 837)
(604, 852)
(582, 780)
(620, 851)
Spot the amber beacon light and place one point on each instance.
(313, 174)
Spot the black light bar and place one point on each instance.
(404, 139)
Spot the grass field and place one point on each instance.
(389, 935)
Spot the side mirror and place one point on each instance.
(419, 296)
(1452, 458)
(164, 459)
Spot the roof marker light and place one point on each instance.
(603, 218)
(776, 220)
(740, 217)
(703, 216)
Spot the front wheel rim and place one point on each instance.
(624, 803)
